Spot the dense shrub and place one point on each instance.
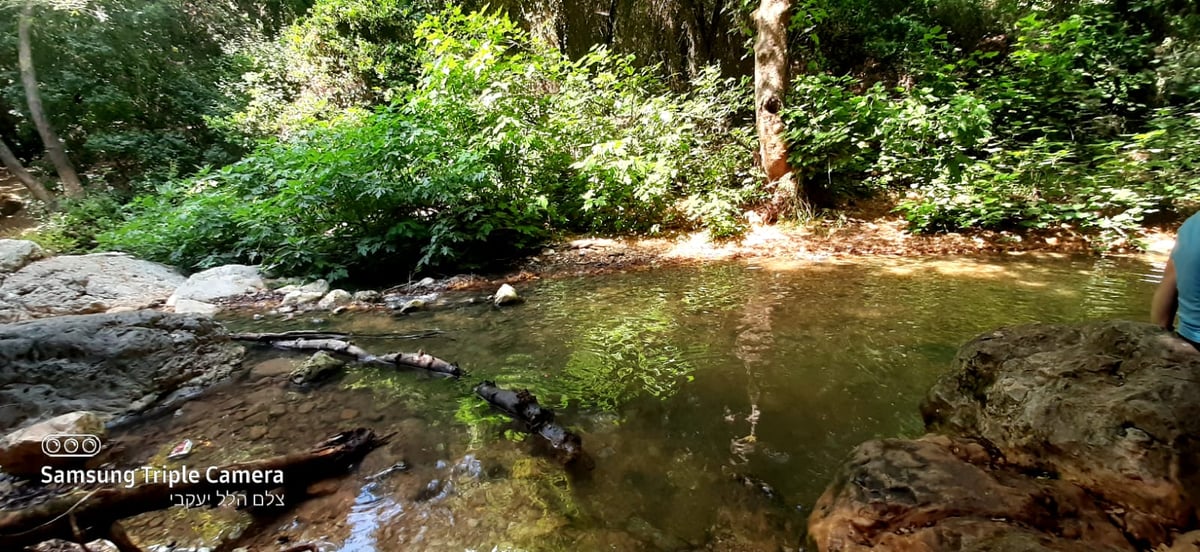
(1055, 126)
(501, 142)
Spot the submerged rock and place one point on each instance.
(116, 364)
(15, 254)
(219, 283)
(1061, 438)
(82, 284)
(318, 367)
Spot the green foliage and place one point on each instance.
(127, 84)
(501, 142)
(1053, 125)
(73, 228)
(337, 61)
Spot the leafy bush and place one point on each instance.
(338, 61)
(1033, 132)
(74, 227)
(501, 142)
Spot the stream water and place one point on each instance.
(716, 402)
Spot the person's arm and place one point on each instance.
(1166, 300)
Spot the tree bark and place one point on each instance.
(54, 145)
(770, 88)
(15, 168)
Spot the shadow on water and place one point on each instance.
(717, 401)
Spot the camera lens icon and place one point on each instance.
(71, 445)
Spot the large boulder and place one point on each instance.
(1113, 407)
(82, 284)
(1060, 437)
(939, 493)
(15, 254)
(218, 283)
(118, 364)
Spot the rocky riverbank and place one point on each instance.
(1042, 437)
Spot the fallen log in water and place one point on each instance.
(523, 407)
(86, 515)
(268, 337)
(321, 342)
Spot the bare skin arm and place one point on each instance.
(1166, 300)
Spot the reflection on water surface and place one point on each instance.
(716, 401)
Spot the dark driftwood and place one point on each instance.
(523, 407)
(88, 515)
(423, 360)
(268, 337)
(419, 359)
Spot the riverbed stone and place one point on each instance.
(1049, 437)
(334, 299)
(316, 286)
(257, 432)
(319, 366)
(506, 295)
(21, 451)
(218, 283)
(300, 297)
(83, 284)
(114, 364)
(15, 254)
(368, 296)
(188, 306)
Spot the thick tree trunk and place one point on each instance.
(770, 87)
(54, 145)
(15, 168)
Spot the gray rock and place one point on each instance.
(15, 254)
(299, 297)
(318, 367)
(188, 306)
(318, 286)
(21, 451)
(82, 284)
(506, 295)
(368, 296)
(334, 299)
(426, 282)
(412, 305)
(117, 364)
(218, 283)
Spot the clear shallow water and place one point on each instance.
(684, 383)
